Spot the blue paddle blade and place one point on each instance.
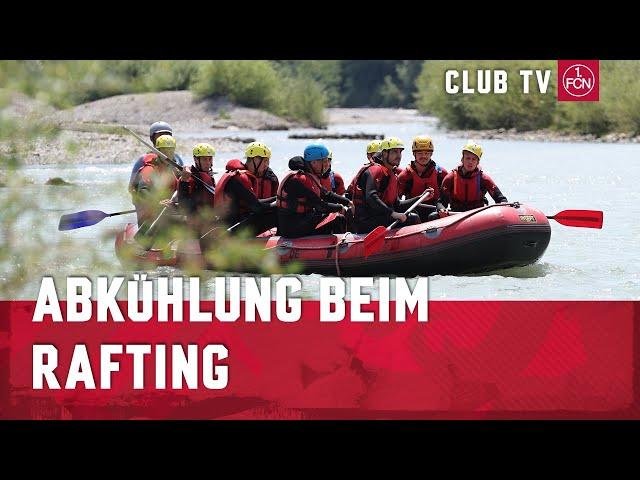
(81, 219)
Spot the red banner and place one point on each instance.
(472, 359)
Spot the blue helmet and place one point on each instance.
(315, 151)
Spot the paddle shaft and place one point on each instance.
(150, 230)
(412, 207)
(167, 159)
(240, 222)
(120, 213)
(231, 227)
(251, 215)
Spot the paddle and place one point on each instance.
(327, 219)
(168, 160)
(570, 218)
(231, 228)
(85, 218)
(147, 232)
(375, 239)
(579, 218)
(272, 204)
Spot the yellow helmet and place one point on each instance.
(257, 149)
(474, 148)
(422, 142)
(165, 141)
(374, 147)
(391, 142)
(330, 156)
(203, 150)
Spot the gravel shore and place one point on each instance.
(92, 133)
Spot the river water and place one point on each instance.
(579, 263)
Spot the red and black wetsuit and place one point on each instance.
(466, 191)
(376, 198)
(352, 184)
(411, 184)
(240, 194)
(303, 202)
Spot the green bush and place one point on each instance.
(250, 83)
(620, 94)
(582, 117)
(259, 84)
(326, 73)
(303, 99)
(171, 75)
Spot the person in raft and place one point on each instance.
(302, 200)
(331, 180)
(373, 151)
(373, 148)
(156, 130)
(376, 191)
(464, 187)
(247, 191)
(195, 201)
(154, 182)
(421, 173)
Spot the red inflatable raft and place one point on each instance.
(487, 238)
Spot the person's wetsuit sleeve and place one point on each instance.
(372, 197)
(297, 189)
(490, 187)
(445, 193)
(335, 198)
(239, 193)
(185, 199)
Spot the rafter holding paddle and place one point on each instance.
(167, 159)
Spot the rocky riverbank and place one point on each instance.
(92, 132)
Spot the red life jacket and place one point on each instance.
(354, 180)
(333, 182)
(420, 184)
(201, 195)
(262, 187)
(300, 204)
(386, 183)
(467, 192)
(148, 173)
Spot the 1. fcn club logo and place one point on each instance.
(578, 80)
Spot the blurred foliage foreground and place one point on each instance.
(30, 244)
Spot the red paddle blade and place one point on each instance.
(327, 219)
(374, 241)
(579, 218)
(81, 219)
